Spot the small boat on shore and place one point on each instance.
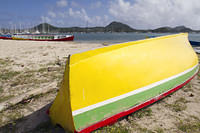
(102, 85)
(196, 46)
(38, 37)
(4, 36)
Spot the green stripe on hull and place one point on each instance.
(90, 117)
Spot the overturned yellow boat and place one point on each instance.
(104, 84)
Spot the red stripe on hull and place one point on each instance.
(8, 38)
(113, 119)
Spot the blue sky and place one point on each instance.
(56, 12)
(140, 14)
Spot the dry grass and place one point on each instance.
(178, 105)
(189, 126)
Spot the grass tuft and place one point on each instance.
(189, 127)
(8, 75)
(143, 112)
(159, 130)
(4, 98)
(1, 89)
(112, 129)
(178, 105)
(5, 62)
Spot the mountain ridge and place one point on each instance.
(112, 27)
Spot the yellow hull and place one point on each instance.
(100, 83)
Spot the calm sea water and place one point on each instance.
(120, 37)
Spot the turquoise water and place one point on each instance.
(120, 37)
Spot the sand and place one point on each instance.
(30, 76)
(33, 53)
(29, 72)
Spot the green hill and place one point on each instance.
(112, 27)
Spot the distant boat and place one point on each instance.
(38, 37)
(5, 36)
(195, 43)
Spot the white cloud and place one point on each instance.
(52, 14)
(97, 4)
(61, 3)
(45, 19)
(63, 14)
(156, 13)
(74, 15)
(83, 17)
(74, 4)
(80, 15)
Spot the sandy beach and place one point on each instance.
(30, 76)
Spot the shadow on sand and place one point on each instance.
(37, 122)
